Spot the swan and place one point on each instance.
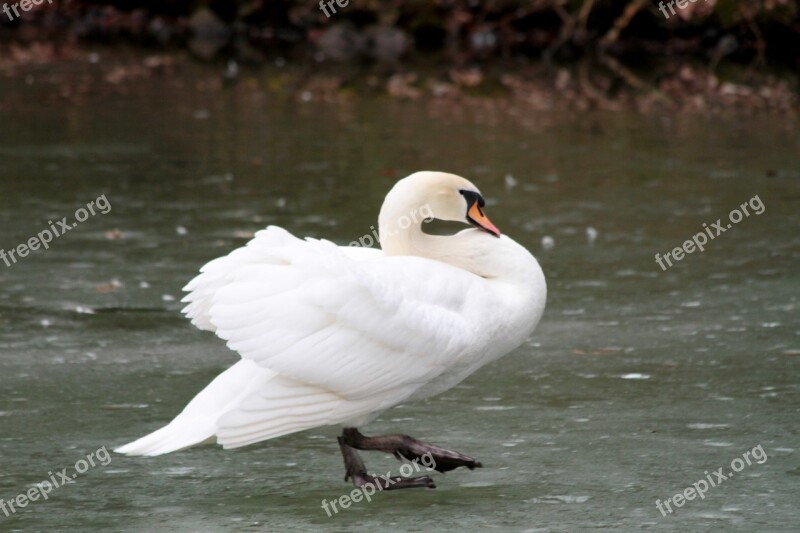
(335, 335)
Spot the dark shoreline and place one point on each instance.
(78, 72)
(710, 57)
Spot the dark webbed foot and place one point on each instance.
(443, 460)
(357, 472)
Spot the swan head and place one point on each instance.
(438, 195)
(480, 250)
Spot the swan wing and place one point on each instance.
(309, 311)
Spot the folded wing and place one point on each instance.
(356, 328)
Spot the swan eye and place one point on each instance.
(472, 197)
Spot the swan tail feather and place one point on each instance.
(197, 423)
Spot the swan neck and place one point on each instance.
(400, 226)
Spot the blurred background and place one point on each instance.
(573, 54)
(600, 133)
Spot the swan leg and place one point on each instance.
(410, 448)
(356, 471)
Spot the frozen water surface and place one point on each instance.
(636, 383)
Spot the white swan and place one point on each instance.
(336, 335)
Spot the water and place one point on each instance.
(637, 381)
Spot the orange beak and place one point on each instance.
(481, 221)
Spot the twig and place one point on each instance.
(564, 35)
(761, 45)
(621, 23)
(586, 86)
(632, 79)
(583, 17)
